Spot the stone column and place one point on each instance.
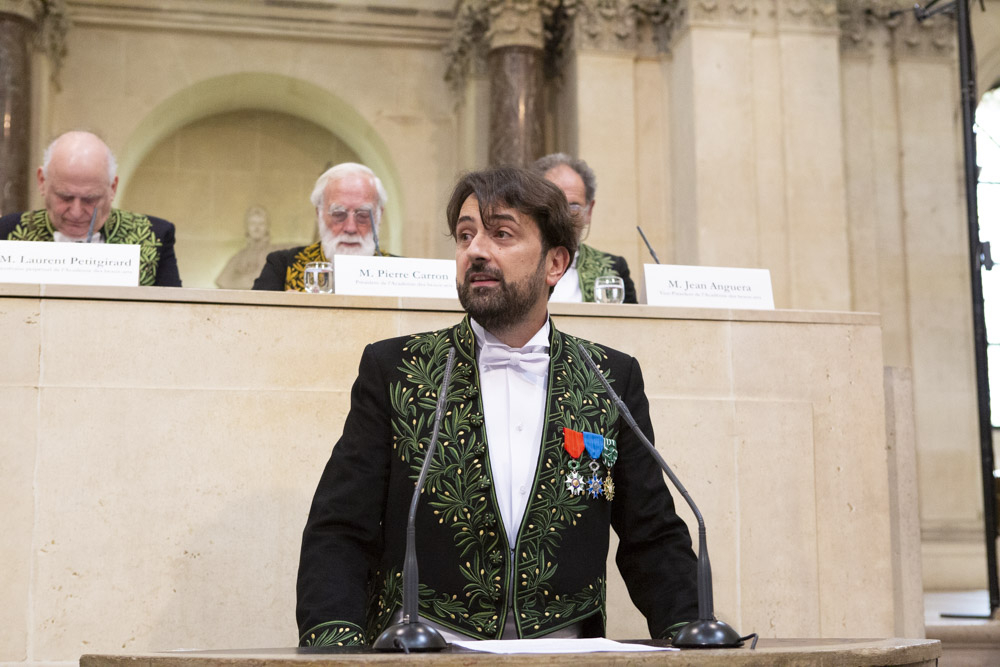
(938, 279)
(16, 28)
(516, 41)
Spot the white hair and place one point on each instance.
(47, 157)
(341, 170)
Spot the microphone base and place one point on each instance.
(415, 636)
(707, 634)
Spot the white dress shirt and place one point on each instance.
(513, 410)
(568, 287)
(59, 237)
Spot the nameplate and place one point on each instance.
(708, 287)
(394, 276)
(51, 263)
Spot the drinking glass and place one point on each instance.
(318, 278)
(609, 289)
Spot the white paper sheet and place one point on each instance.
(592, 645)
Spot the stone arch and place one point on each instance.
(270, 92)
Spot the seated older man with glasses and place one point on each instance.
(349, 200)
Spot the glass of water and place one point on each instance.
(318, 278)
(609, 289)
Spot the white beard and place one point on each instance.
(331, 242)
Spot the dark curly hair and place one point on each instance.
(524, 191)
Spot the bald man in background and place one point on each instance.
(78, 176)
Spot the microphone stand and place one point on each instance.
(648, 244)
(706, 632)
(375, 221)
(93, 219)
(410, 634)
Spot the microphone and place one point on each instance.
(93, 219)
(375, 221)
(706, 632)
(648, 245)
(410, 634)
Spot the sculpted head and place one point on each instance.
(577, 181)
(77, 176)
(514, 238)
(349, 200)
(258, 228)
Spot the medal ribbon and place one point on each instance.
(573, 442)
(594, 444)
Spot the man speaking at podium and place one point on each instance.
(533, 464)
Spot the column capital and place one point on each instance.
(51, 23)
(932, 38)
(733, 13)
(485, 25)
(862, 20)
(517, 22)
(811, 14)
(608, 25)
(26, 9)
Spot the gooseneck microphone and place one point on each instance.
(706, 632)
(93, 219)
(648, 244)
(375, 220)
(410, 634)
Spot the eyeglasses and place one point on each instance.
(575, 209)
(362, 216)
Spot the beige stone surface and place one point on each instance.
(781, 482)
(232, 345)
(937, 270)
(812, 142)
(21, 333)
(607, 138)
(904, 502)
(850, 458)
(172, 473)
(18, 437)
(176, 514)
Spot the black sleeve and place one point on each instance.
(654, 551)
(167, 274)
(342, 540)
(7, 224)
(621, 268)
(272, 276)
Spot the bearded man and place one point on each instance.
(349, 201)
(534, 465)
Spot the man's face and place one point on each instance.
(349, 213)
(74, 187)
(567, 180)
(503, 277)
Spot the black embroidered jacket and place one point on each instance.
(349, 581)
(154, 236)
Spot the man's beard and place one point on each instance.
(329, 241)
(505, 306)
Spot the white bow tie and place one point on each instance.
(499, 356)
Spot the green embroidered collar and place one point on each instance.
(121, 227)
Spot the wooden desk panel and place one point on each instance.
(770, 652)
